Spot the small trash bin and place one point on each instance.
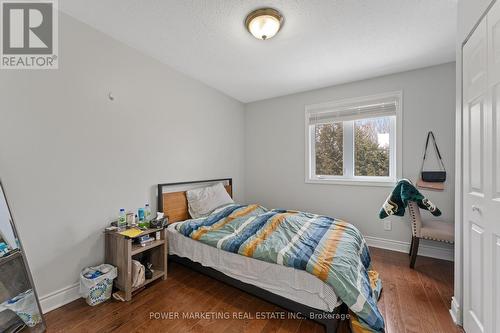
(96, 283)
(25, 306)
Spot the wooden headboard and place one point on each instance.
(174, 204)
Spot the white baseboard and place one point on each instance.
(455, 312)
(445, 253)
(59, 297)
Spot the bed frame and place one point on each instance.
(174, 205)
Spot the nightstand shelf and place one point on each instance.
(156, 275)
(120, 251)
(136, 249)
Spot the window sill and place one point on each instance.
(353, 182)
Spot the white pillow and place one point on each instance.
(202, 201)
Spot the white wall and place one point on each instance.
(70, 158)
(275, 149)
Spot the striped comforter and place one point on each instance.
(332, 250)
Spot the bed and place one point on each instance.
(290, 288)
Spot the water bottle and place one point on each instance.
(147, 214)
(122, 219)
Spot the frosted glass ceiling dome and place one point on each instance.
(264, 23)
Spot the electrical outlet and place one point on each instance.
(387, 225)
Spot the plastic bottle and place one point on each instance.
(147, 214)
(141, 222)
(140, 214)
(147, 211)
(122, 218)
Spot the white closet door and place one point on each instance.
(475, 91)
(492, 213)
(481, 230)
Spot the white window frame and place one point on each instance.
(395, 142)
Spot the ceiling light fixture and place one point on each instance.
(264, 23)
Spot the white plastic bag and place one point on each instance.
(25, 306)
(97, 290)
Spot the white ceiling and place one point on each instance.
(322, 43)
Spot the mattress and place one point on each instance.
(288, 282)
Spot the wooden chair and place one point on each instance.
(435, 230)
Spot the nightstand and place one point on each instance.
(120, 250)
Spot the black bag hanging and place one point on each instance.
(433, 176)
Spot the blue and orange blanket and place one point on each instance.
(332, 250)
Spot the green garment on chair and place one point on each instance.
(405, 191)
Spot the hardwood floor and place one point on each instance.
(412, 301)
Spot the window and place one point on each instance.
(354, 141)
